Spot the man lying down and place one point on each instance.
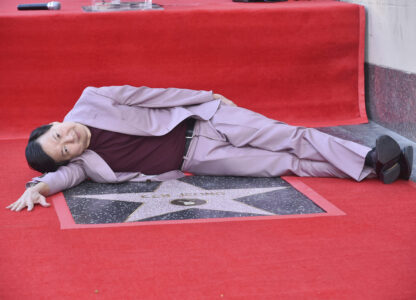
(126, 133)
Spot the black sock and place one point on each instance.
(370, 159)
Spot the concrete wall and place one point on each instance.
(391, 64)
(391, 33)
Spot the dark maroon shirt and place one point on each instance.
(146, 154)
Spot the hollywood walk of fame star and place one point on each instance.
(172, 196)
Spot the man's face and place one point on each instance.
(64, 141)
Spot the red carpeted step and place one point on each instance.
(300, 62)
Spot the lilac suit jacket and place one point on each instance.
(132, 110)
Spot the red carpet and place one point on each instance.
(366, 254)
(309, 71)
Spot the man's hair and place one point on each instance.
(36, 157)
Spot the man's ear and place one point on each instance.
(53, 123)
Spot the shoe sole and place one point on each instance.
(388, 150)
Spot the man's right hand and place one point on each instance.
(224, 100)
(30, 197)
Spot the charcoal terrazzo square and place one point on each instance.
(191, 197)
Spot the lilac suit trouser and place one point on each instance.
(240, 142)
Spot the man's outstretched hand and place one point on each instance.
(30, 197)
(224, 100)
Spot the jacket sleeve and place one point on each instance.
(153, 97)
(64, 178)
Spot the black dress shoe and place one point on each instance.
(386, 157)
(406, 162)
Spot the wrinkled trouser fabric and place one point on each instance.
(240, 142)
